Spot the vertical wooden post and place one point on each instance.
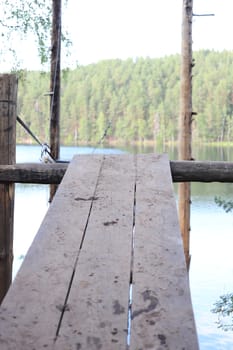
(55, 85)
(185, 125)
(8, 107)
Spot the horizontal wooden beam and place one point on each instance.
(33, 173)
(204, 171)
(182, 171)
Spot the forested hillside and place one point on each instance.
(139, 99)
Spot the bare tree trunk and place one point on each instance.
(185, 125)
(8, 111)
(55, 86)
(224, 128)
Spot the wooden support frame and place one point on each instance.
(55, 85)
(8, 106)
(182, 171)
(185, 122)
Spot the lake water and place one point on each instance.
(211, 271)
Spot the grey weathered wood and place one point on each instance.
(201, 171)
(30, 312)
(72, 291)
(162, 315)
(182, 171)
(8, 109)
(55, 84)
(185, 122)
(33, 173)
(98, 302)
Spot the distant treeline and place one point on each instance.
(136, 100)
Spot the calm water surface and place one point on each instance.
(211, 271)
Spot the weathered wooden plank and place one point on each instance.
(162, 316)
(8, 109)
(98, 302)
(31, 311)
(72, 291)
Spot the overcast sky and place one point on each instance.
(104, 29)
(127, 28)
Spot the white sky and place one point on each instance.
(104, 29)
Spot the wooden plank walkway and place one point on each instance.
(106, 269)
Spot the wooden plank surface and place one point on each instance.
(162, 316)
(98, 302)
(30, 313)
(113, 217)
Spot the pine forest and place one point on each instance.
(131, 100)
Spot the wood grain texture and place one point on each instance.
(185, 122)
(30, 313)
(162, 316)
(8, 107)
(182, 171)
(55, 84)
(33, 173)
(201, 171)
(72, 291)
(98, 302)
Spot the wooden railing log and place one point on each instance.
(182, 171)
(33, 173)
(201, 171)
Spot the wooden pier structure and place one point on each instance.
(106, 269)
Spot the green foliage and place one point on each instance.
(224, 306)
(33, 105)
(213, 96)
(224, 309)
(24, 18)
(139, 97)
(226, 205)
